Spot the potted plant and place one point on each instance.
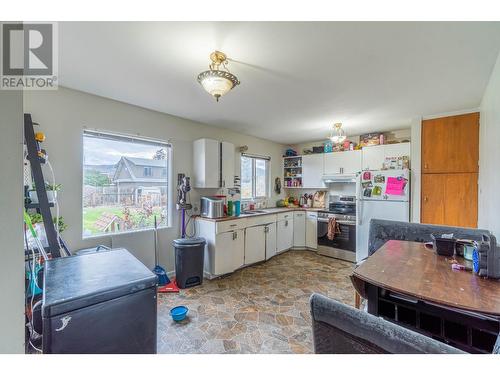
(36, 218)
(51, 189)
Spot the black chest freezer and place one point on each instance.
(103, 302)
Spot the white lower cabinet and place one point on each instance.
(230, 252)
(270, 240)
(255, 244)
(284, 235)
(232, 244)
(312, 230)
(299, 229)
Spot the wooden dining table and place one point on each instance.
(409, 284)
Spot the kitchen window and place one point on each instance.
(125, 183)
(254, 177)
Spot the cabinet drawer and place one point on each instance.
(260, 220)
(299, 214)
(229, 225)
(285, 216)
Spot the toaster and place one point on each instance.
(211, 207)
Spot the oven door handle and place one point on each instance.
(346, 222)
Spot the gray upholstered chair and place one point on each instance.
(341, 329)
(382, 231)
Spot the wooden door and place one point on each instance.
(432, 205)
(451, 144)
(449, 199)
(450, 164)
(461, 199)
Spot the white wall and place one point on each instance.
(416, 169)
(62, 114)
(489, 155)
(11, 223)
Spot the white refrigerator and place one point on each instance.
(382, 194)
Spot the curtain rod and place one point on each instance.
(255, 156)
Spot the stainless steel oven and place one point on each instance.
(343, 244)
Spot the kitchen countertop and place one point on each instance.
(267, 211)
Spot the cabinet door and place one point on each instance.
(432, 202)
(331, 163)
(373, 157)
(451, 144)
(227, 165)
(350, 161)
(396, 149)
(223, 250)
(312, 230)
(299, 229)
(461, 200)
(342, 162)
(270, 240)
(312, 171)
(449, 199)
(229, 251)
(206, 163)
(284, 235)
(255, 244)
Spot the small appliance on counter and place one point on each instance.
(211, 207)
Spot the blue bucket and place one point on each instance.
(179, 313)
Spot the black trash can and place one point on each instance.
(189, 257)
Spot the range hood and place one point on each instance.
(339, 177)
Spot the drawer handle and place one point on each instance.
(233, 225)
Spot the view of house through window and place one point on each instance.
(125, 183)
(254, 177)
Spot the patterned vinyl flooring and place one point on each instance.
(258, 309)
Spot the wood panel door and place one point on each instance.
(451, 144)
(432, 202)
(449, 199)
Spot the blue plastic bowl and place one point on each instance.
(179, 313)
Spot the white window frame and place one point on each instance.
(267, 159)
(169, 176)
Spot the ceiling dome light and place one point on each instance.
(337, 134)
(215, 81)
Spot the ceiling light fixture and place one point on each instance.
(215, 81)
(337, 134)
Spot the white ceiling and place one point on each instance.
(297, 78)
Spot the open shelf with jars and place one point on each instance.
(292, 171)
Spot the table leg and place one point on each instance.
(372, 294)
(357, 300)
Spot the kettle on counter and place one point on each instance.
(303, 200)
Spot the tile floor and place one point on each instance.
(259, 309)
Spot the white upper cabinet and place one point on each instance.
(312, 170)
(213, 163)
(374, 156)
(346, 162)
(227, 164)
